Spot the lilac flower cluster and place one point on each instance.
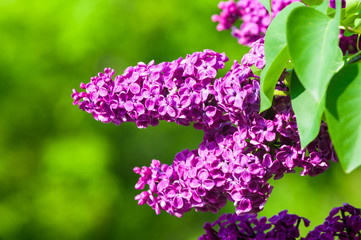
(232, 227)
(177, 91)
(241, 149)
(343, 222)
(255, 18)
(346, 225)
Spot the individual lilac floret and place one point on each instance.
(342, 223)
(231, 226)
(177, 91)
(256, 55)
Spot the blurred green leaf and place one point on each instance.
(352, 6)
(343, 115)
(276, 54)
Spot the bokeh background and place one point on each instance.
(64, 175)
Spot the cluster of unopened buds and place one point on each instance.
(241, 149)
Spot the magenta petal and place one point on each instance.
(245, 205)
(103, 92)
(203, 175)
(149, 104)
(135, 88)
(253, 186)
(201, 191)
(186, 194)
(194, 183)
(171, 112)
(177, 202)
(162, 185)
(254, 168)
(139, 108)
(212, 72)
(246, 176)
(170, 193)
(128, 105)
(237, 196)
(270, 136)
(208, 184)
(238, 170)
(219, 182)
(289, 162)
(196, 197)
(192, 173)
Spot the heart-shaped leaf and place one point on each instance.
(307, 109)
(312, 39)
(343, 115)
(276, 54)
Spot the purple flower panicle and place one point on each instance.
(177, 91)
(241, 148)
(254, 16)
(231, 226)
(342, 223)
(255, 20)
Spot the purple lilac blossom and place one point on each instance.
(343, 223)
(177, 91)
(255, 21)
(254, 16)
(231, 226)
(241, 148)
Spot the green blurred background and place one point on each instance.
(64, 175)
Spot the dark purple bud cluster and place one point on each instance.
(342, 223)
(232, 227)
(241, 149)
(255, 20)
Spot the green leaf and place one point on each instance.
(312, 39)
(267, 5)
(353, 6)
(307, 109)
(276, 55)
(346, 33)
(312, 2)
(343, 115)
(323, 7)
